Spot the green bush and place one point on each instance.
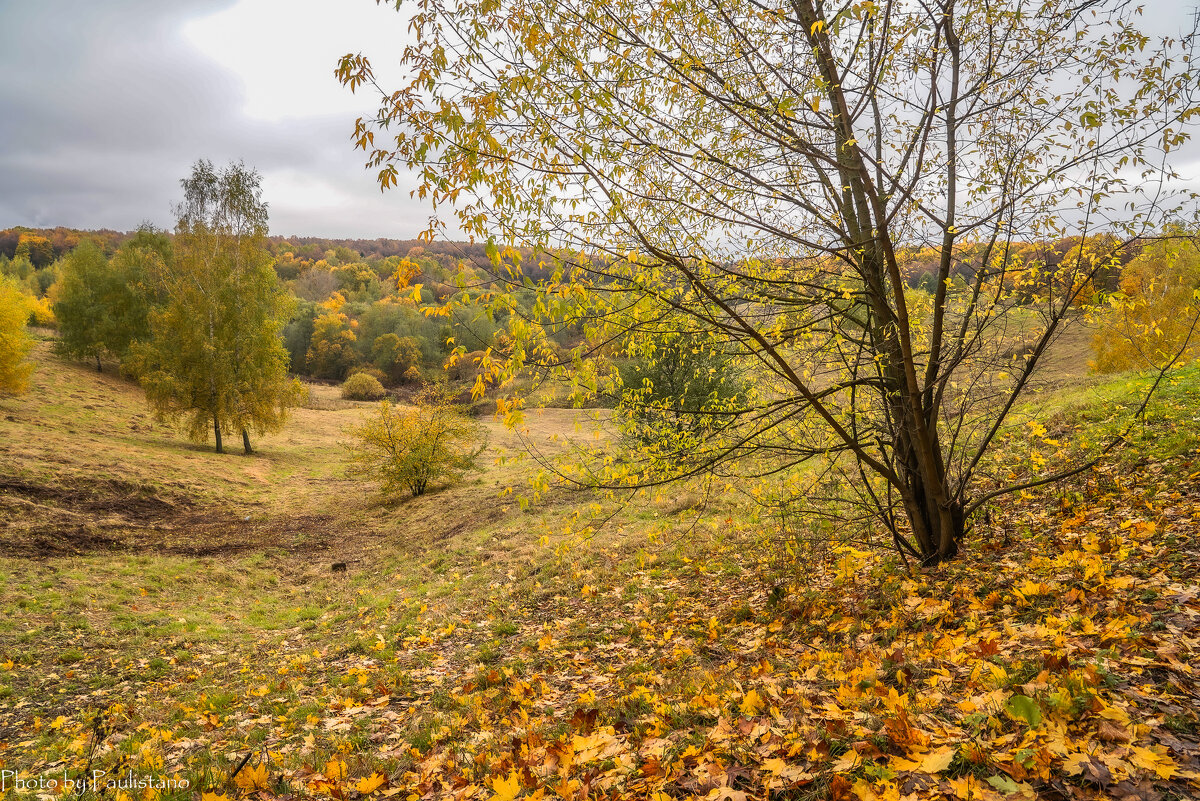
(362, 386)
(374, 372)
(410, 450)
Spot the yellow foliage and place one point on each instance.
(412, 449)
(508, 788)
(252, 778)
(15, 342)
(1152, 320)
(370, 784)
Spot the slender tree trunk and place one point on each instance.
(217, 433)
(937, 527)
(99, 367)
(246, 442)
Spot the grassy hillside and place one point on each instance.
(170, 613)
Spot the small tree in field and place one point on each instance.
(410, 450)
(215, 357)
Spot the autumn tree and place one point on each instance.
(15, 342)
(78, 303)
(396, 355)
(410, 450)
(102, 306)
(37, 249)
(216, 358)
(1151, 320)
(755, 168)
(331, 351)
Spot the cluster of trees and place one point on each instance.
(196, 318)
(357, 303)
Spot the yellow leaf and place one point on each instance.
(370, 784)
(506, 789)
(335, 769)
(939, 760)
(211, 796)
(251, 779)
(1158, 763)
(817, 27)
(751, 703)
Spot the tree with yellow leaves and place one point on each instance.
(215, 357)
(1152, 320)
(754, 171)
(15, 342)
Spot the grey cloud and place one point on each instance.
(104, 107)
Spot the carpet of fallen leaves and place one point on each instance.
(1058, 659)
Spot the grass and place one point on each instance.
(156, 594)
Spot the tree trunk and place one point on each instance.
(937, 528)
(99, 367)
(217, 432)
(246, 442)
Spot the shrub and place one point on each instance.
(374, 372)
(362, 386)
(413, 376)
(677, 388)
(413, 449)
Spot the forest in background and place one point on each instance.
(359, 301)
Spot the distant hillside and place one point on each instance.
(62, 240)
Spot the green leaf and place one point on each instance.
(1022, 707)
(1005, 784)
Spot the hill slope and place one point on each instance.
(171, 613)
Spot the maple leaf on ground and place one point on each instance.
(370, 784)
(751, 704)
(335, 769)
(251, 779)
(508, 788)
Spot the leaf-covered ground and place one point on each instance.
(1057, 659)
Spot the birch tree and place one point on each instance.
(216, 359)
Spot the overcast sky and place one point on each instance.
(105, 105)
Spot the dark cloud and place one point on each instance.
(105, 106)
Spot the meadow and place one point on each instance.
(229, 625)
